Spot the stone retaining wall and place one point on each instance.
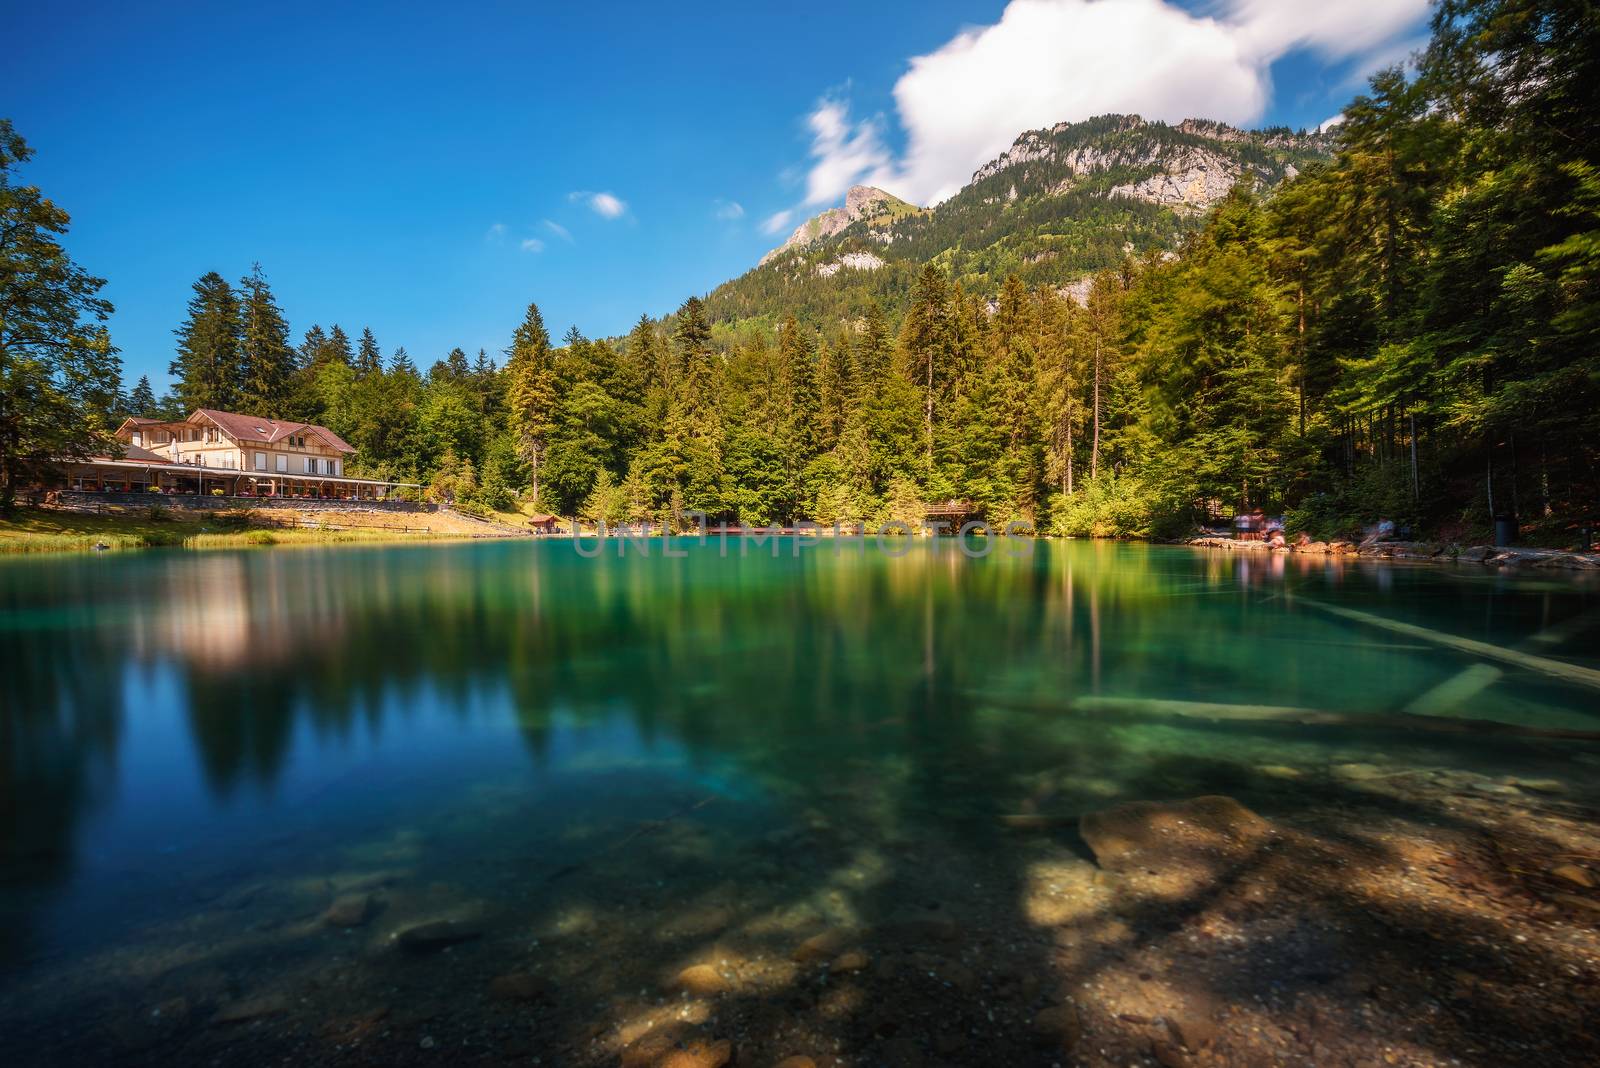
(88, 501)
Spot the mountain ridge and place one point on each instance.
(1058, 204)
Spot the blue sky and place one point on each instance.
(428, 169)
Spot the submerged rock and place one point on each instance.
(1192, 1032)
(1573, 874)
(436, 935)
(1148, 833)
(348, 910)
(247, 1009)
(824, 946)
(699, 1055)
(521, 986)
(702, 980)
(851, 961)
(1057, 1026)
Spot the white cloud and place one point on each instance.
(1047, 61)
(560, 231)
(727, 210)
(845, 153)
(495, 232)
(532, 244)
(605, 205)
(776, 221)
(1327, 124)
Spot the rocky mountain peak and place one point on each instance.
(860, 202)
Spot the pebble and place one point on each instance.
(796, 1061)
(1541, 786)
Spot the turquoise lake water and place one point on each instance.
(200, 748)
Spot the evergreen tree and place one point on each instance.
(531, 391)
(268, 360)
(142, 401)
(369, 359)
(208, 366)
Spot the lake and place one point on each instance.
(500, 801)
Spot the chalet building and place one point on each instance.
(238, 455)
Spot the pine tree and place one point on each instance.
(269, 361)
(531, 391)
(208, 365)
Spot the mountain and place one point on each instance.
(863, 203)
(1056, 206)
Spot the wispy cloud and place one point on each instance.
(728, 210)
(560, 231)
(532, 244)
(604, 204)
(776, 221)
(495, 232)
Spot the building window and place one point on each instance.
(283, 464)
(138, 437)
(311, 465)
(261, 461)
(333, 467)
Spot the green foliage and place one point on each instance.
(59, 373)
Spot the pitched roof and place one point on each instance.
(134, 452)
(253, 428)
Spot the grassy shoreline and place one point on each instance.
(30, 530)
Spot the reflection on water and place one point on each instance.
(180, 727)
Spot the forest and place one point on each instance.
(1407, 331)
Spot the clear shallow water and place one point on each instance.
(200, 748)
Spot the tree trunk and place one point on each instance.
(1301, 315)
(1069, 446)
(1416, 484)
(1094, 452)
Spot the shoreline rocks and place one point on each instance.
(1487, 555)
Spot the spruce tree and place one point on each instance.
(142, 401)
(268, 360)
(369, 358)
(209, 364)
(531, 396)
